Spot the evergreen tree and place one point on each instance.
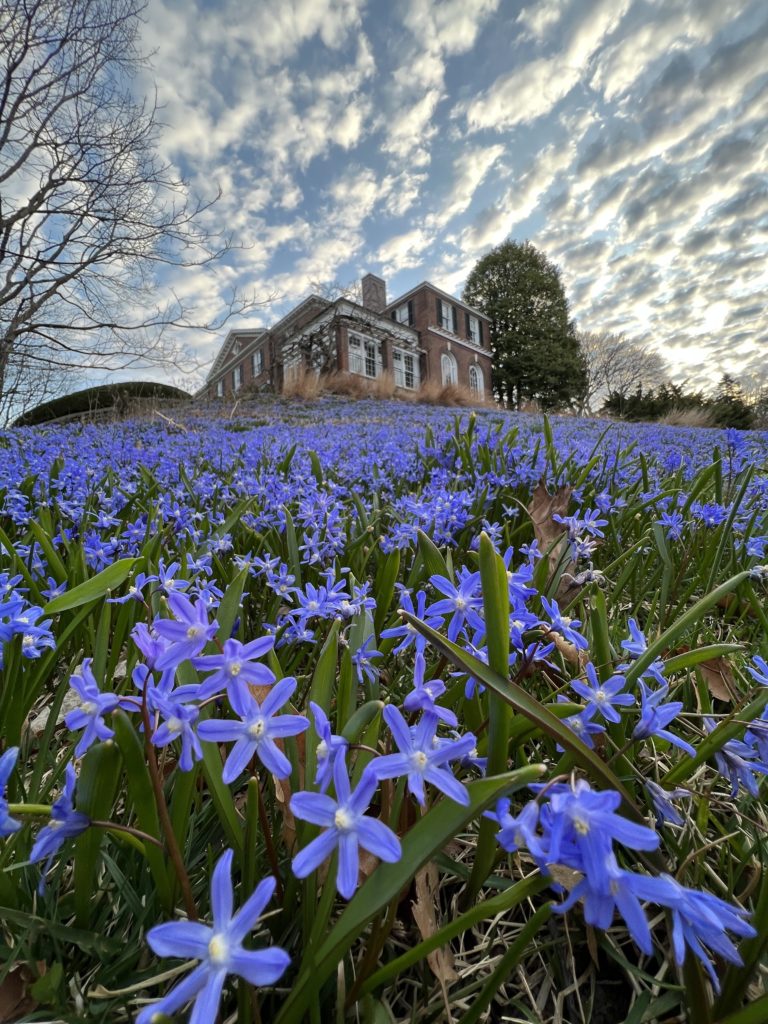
(535, 348)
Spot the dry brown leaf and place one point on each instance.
(548, 533)
(283, 796)
(425, 915)
(15, 1000)
(568, 650)
(718, 675)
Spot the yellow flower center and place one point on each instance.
(235, 668)
(256, 730)
(218, 950)
(342, 820)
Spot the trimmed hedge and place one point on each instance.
(102, 398)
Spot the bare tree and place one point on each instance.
(89, 213)
(616, 365)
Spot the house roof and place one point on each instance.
(446, 295)
(237, 333)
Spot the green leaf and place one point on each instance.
(385, 588)
(500, 904)
(691, 658)
(103, 583)
(755, 1013)
(228, 610)
(431, 556)
(46, 989)
(727, 729)
(533, 709)
(420, 845)
(97, 788)
(142, 798)
(495, 587)
(670, 636)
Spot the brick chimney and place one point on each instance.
(374, 293)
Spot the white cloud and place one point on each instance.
(532, 90)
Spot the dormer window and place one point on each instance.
(473, 330)
(404, 314)
(446, 316)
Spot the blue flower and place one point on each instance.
(328, 747)
(564, 625)
(587, 819)
(620, 890)
(257, 731)
(462, 602)
(423, 695)
(760, 672)
(738, 761)
(698, 919)
(602, 697)
(362, 659)
(65, 823)
(516, 832)
(7, 763)
(347, 828)
(662, 803)
(421, 756)
(188, 632)
(235, 669)
(218, 948)
(177, 724)
(90, 714)
(656, 716)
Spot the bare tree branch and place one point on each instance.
(89, 214)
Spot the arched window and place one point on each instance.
(476, 382)
(449, 369)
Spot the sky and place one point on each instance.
(627, 139)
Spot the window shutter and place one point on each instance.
(455, 317)
(469, 333)
(480, 330)
(439, 312)
(393, 314)
(410, 312)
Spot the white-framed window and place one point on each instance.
(258, 362)
(473, 327)
(449, 370)
(237, 378)
(476, 382)
(404, 313)
(406, 368)
(446, 315)
(365, 356)
(219, 388)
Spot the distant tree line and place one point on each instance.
(728, 407)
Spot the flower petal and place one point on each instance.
(262, 967)
(378, 839)
(313, 855)
(186, 939)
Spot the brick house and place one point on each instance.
(424, 335)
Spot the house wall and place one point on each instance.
(435, 340)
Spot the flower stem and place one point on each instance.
(165, 819)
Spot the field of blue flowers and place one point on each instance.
(362, 711)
